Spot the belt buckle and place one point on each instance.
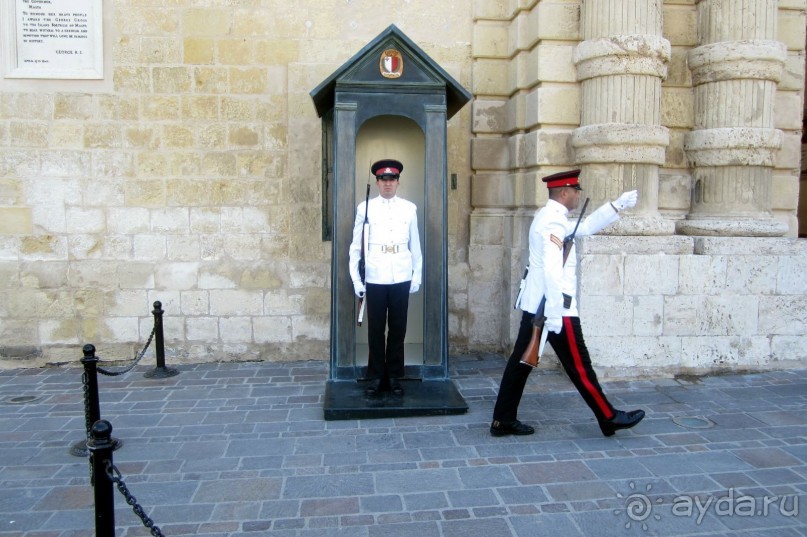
(389, 249)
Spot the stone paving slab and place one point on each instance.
(243, 449)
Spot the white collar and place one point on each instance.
(556, 206)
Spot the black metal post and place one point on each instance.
(92, 406)
(90, 363)
(92, 403)
(159, 347)
(101, 447)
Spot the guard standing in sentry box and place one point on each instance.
(549, 295)
(393, 269)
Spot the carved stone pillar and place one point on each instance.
(735, 71)
(620, 143)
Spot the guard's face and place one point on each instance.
(571, 197)
(577, 195)
(387, 186)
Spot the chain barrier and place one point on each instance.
(86, 388)
(130, 366)
(79, 451)
(100, 444)
(115, 476)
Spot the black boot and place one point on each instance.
(621, 420)
(373, 388)
(395, 387)
(501, 428)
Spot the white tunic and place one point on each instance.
(547, 273)
(394, 254)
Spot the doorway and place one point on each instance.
(399, 138)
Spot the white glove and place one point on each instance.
(626, 201)
(553, 324)
(413, 287)
(359, 289)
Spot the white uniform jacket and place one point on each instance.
(393, 254)
(547, 275)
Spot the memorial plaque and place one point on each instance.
(61, 39)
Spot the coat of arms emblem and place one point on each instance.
(391, 64)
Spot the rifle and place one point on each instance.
(365, 236)
(568, 240)
(535, 348)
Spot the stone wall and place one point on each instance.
(646, 307)
(655, 305)
(191, 175)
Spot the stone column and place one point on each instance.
(735, 71)
(620, 143)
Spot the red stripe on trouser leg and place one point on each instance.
(581, 370)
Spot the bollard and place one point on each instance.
(90, 363)
(160, 371)
(101, 447)
(92, 404)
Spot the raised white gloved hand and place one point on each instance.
(554, 324)
(413, 287)
(626, 200)
(359, 289)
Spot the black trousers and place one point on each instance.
(387, 305)
(573, 356)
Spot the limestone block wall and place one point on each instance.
(785, 195)
(527, 103)
(192, 176)
(677, 109)
(646, 305)
(656, 305)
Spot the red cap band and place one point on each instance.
(387, 171)
(386, 167)
(562, 182)
(567, 178)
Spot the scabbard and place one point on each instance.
(521, 285)
(360, 316)
(544, 334)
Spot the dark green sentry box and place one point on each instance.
(390, 100)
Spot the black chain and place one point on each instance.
(131, 366)
(86, 387)
(115, 476)
(85, 380)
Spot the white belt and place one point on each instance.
(388, 248)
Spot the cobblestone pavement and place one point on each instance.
(242, 449)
